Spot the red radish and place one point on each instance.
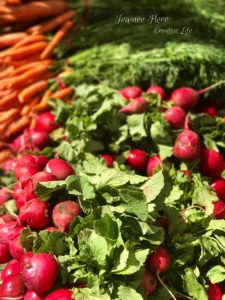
(15, 248)
(154, 163)
(214, 292)
(187, 173)
(64, 213)
(27, 170)
(62, 294)
(17, 191)
(187, 98)
(135, 106)
(163, 222)
(210, 110)
(36, 214)
(45, 122)
(19, 143)
(51, 229)
(41, 161)
(212, 163)
(40, 273)
(131, 92)
(155, 89)
(5, 195)
(12, 268)
(159, 261)
(219, 187)
(137, 159)
(25, 258)
(6, 218)
(37, 139)
(219, 209)
(149, 283)
(61, 84)
(42, 177)
(187, 145)
(9, 165)
(12, 288)
(29, 192)
(60, 168)
(109, 160)
(4, 253)
(20, 201)
(176, 117)
(9, 231)
(33, 296)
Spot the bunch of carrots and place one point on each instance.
(26, 61)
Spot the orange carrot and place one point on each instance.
(7, 72)
(29, 66)
(5, 155)
(52, 24)
(56, 39)
(66, 92)
(24, 51)
(29, 40)
(17, 126)
(36, 88)
(9, 115)
(9, 61)
(11, 39)
(29, 107)
(8, 98)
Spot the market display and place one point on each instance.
(113, 187)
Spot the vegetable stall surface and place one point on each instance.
(108, 209)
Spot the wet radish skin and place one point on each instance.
(62, 294)
(159, 261)
(149, 283)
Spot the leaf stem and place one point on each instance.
(211, 87)
(163, 284)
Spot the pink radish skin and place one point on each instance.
(108, 159)
(17, 191)
(219, 210)
(187, 146)
(60, 168)
(15, 248)
(6, 218)
(155, 89)
(137, 159)
(25, 259)
(9, 165)
(20, 201)
(212, 163)
(185, 97)
(41, 161)
(219, 187)
(131, 92)
(154, 163)
(45, 122)
(12, 268)
(12, 286)
(176, 117)
(159, 261)
(40, 273)
(29, 192)
(135, 106)
(9, 231)
(42, 177)
(62, 294)
(52, 229)
(210, 110)
(149, 283)
(5, 195)
(4, 253)
(64, 213)
(28, 170)
(33, 296)
(214, 292)
(36, 214)
(19, 144)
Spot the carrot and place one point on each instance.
(29, 40)
(9, 115)
(43, 105)
(5, 155)
(52, 24)
(32, 90)
(11, 39)
(9, 61)
(29, 107)
(66, 92)
(8, 98)
(28, 77)
(17, 126)
(34, 10)
(28, 66)
(57, 39)
(7, 72)
(5, 93)
(24, 51)
(13, 104)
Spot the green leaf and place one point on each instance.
(136, 126)
(78, 185)
(46, 189)
(193, 287)
(216, 274)
(153, 186)
(128, 293)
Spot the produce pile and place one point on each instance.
(118, 191)
(121, 195)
